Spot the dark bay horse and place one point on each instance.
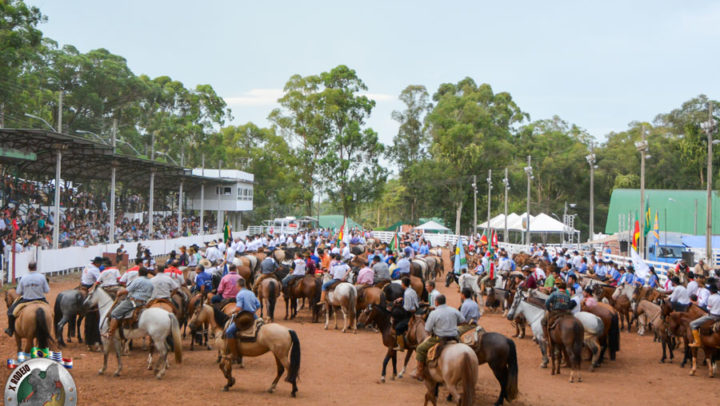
(610, 339)
(308, 287)
(566, 336)
(499, 353)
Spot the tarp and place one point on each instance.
(432, 226)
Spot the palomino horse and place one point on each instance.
(308, 287)
(69, 309)
(267, 295)
(593, 327)
(204, 319)
(499, 353)
(378, 314)
(679, 322)
(457, 369)
(10, 296)
(342, 298)
(272, 337)
(157, 323)
(34, 323)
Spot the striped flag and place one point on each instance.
(395, 242)
(656, 229)
(636, 235)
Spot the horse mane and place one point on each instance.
(220, 317)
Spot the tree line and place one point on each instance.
(319, 146)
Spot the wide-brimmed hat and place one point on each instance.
(205, 263)
(19, 240)
(212, 244)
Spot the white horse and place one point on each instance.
(154, 322)
(593, 325)
(343, 298)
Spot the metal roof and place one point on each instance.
(83, 160)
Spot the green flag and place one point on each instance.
(394, 242)
(648, 217)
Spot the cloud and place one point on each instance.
(380, 97)
(255, 98)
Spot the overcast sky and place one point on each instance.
(599, 64)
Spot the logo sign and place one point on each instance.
(40, 381)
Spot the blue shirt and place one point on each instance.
(424, 250)
(653, 281)
(615, 274)
(601, 271)
(403, 266)
(583, 268)
(470, 310)
(627, 278)
(246, 300)
(204, 279)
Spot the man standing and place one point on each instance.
(442, 323)
(32, 286)
(138, 292)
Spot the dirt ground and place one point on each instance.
(344, 369)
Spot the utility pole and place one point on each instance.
(111, 237)
(591, 160)
(60, 107)
(506, 182)
(642, 147)
(202, 197)
(528, 172)
(709, 127)
(474, 185)
(489, 182)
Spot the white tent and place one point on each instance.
(498, 222)
(542, 223)
(433, 226)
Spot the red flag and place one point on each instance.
(483, 240)
(636, 235)
(14, 224)
(494, 239)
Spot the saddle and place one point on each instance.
(248, 327)
(473, 336)
(332, 287)
(131, 322)
(21, 306)
(163, 301)
(710, 327)
(435, 351)
(382, 284)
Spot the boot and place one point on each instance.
(114, 323)
(420, 371)
(11, 326)
(400, 343)
(696, 337)
(322, 298)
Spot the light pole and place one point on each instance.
(102, 140)
(529, 172)
(506, 182)
(709, 127)
(642, 147)
(489, 182)
(166, 155)
(41, 119)
(591, 161)
(474, 186)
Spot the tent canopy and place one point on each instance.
(432, 226)
(542, 223)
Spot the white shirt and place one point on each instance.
(680, 294)
(240, 247)
(213, 254)
(713, 304)
(90, 275)
(346, 252)
(339, 270)
(692, 288)
(128, 277)
(299, 267)
(702, 294)
(109, 277)
(539, 274)
(221, 246)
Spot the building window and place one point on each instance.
(227, 191)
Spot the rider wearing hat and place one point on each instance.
(138, 292)
(32, 286)
(441, 324)
(713, 307)
(558, 304)
(91, 273)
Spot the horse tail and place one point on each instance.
(42, 331)
(352, 304)
(177, 338)
(294, 370)
(614, 334)
(469, 377)
(511, 386)
(272, 294)
(57, 315)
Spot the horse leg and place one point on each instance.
(59, 331)
(384, 366)
(162, 359)
(327, 315)
(709, 362)
(345, 319)
(500, 370)
(226, 368)
(79, 321)
(407, 359)
(394, 362)
(280, 371)
(106, 352)
(118, 349)
(596, 353)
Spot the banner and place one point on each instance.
(642, 270)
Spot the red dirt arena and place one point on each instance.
(343, 369)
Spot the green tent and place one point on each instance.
(335, 221)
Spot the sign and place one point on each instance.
(40, 381)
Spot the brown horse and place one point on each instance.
(34, 324)
(246, 273)
(566, 335)
(203, 320)
(623, 307)
(610, 339)
(369, 295)
(267, 295)
(10, 296)
(308, 287)
(457, 369)
(380, 315)
(679, 323)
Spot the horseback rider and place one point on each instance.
(410, 304)
(441, 324)
(164, 286)
(381, 273)
(299, 267)
(713, 307)
(245, 301)
(228, 286)
(339, 271)
(680, 298)
(365, 276)
(138, 292)
(109, 276)
(268, 266)
(131, 273)
(91, 273)
(557, 305)
(203, 281)
(31, 287)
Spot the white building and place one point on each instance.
(226, 191)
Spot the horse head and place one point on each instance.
(367, 315)
(91, 299)
(519, 297)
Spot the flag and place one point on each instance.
(494, 239)
(636, 235)
(656, 229)
(15, 225)
(642, 270)
(460, 260)
(341, 234)
(394, 243)
(484, 240)
(227, 232)
(648, 217)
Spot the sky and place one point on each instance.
(599, 64)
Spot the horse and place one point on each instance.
(456, 368)
(33, 324)
(709, 340)
(393, 291)
(610, 337)
(566, 336)
(593, 327)
(308, 287)
(68, 309)
(342, 298)
(204, 319)
(652, 316)
(10, 296)
(369, 295)
(280, 340)
(499, 353)
(267, 295)
(159, 324)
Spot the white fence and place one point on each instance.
(64, 259)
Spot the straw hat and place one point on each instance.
(205, 263)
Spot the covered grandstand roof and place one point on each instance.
(83, 159)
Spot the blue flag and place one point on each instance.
(460, 259)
